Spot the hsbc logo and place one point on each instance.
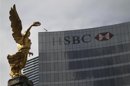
(104, 36)
(83, 38)
(72, 39)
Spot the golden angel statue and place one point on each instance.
(18, 60)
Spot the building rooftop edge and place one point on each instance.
(100, 27)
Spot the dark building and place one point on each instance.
(88, 57)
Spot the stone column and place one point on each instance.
(20, 81)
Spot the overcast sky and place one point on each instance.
(56, 15)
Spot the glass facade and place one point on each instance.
(89, 57)
(31, 70)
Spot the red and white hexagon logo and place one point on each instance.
(104, 36)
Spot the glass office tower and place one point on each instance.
(87, 57)
(31, 70)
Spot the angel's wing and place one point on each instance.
(15, 24)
